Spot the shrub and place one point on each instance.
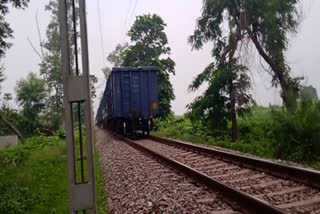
(296, 134)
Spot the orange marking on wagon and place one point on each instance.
(154, 106)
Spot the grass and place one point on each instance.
(259, 148)
(100, 193)
(34, 178)
(254, 134)
(265, 133)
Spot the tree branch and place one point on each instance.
(279, 72)
(39, 34)
(12, 127)
(35, 50)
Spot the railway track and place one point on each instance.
(248, 184)
(138, 183)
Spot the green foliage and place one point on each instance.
(258, 125)
(270, 21)
(6, 32)
(31, 95)
(51, 67)
(6, 125)
(296, 135)
(34, 178)
(264, 23)
(22, 123)
(31, 177)
(182, 128)
(93, 81)
(2, 77)
(116, 56)
(228, 91)
(61, 134)
(51, 120)
(271, 132)
(150, 48)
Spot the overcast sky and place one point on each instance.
(180, 16)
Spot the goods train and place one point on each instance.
(130, 101)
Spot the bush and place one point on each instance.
(257, 126)
(296, 135)
(61, 134)
(179, 125)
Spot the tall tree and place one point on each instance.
(263, 23)
(150, 48)
(50, 67)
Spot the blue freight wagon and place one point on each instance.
(130, 101)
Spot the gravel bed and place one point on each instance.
(137, 183)
(258, 183)
(278, 161)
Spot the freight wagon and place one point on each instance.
(130, 101)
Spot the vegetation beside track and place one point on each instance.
(270, 132)
(34, 178)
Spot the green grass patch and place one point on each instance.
(259, 148)
(34, 178)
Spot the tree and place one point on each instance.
(106, 71)
(7, 97)
(6, 32)
(150, 48)
(116, 56)
(93, 81)
(3, 118)
(263, 23)
(32, 96)
(51, 67)
(226, 97)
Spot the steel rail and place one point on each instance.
(238, 200)
(299, 174)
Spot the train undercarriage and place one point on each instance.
(139, 127)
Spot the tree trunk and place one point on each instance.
(233, 112)
(235, 129)
(13, 128)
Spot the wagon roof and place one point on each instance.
(147, 68)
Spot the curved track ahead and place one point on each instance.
(248, 184)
